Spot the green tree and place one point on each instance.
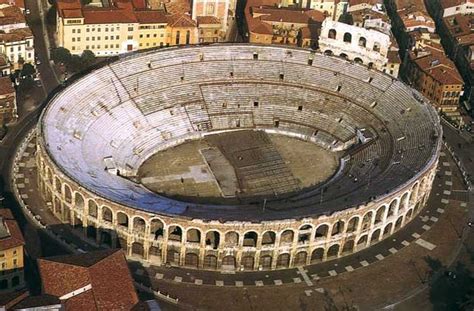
(28, 70)
(75, 64)
(26, 84)
(61, 55)
(88, 58)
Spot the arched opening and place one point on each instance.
(367, 220)
(304, 234)
(191, 260)
(137, 249)
(328, 53)
(380, 215)
(333, 252)
(231, 238)
(175, 233)
(67, 194)
(322, 232)
(392, 208)
(337, 228)
(332, 34)
(347, 37)
(139, 225)
(387, 230)
(105, 238)
(283, 261)
(416, 208)
(370, 65)
(405, 200)
(107, 215)
(213, 239)
(409, 214)
(358, 60)
(92, 208)
(157, 228)
(193, 236)
(362, 241)
(376, 47)
(300, 258)
(317, 255)
(57, 206)
(348, 247)
(343, 56)
(248, 262)
(362, 42)
(172, 257)
(57, 184)
(50, 176)
(210, 262)
(250, 239)
(268, 238)
(91, 232)
(266, 262)
(79, 201)
(154, 251)
(399, 222)
(352, 224)
(122, 243)
(228, 262)
(375, 237)
(286, 237)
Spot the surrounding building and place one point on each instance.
(432, 73)
(446, 8)
(11, 253)
(222, 10)
(8, 108)
(16, 39)
(364, 46)
(97, 280)
(276, 25)
(332, 8)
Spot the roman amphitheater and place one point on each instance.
(237, 157)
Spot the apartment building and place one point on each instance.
(8, 108)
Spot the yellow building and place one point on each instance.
(11, 253)
(123, 27)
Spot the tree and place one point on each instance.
(61, 55)
(75, 64)
(28, 70)
(88, 58)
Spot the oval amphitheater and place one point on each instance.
(237, 157)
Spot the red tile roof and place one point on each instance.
(105, 271)
(15, 237)
(451, 3)
(11, 15)
(208, 20)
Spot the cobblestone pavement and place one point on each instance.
(448, 194)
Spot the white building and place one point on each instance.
(366, 46)
(17, 46)
(463, 7)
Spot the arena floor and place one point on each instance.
(237, 165)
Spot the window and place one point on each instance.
(210, 9)
(347, 37)
(177, 37)
(332, 34)
(300, 108)
(255, 104)
(130, 28)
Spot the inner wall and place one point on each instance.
(236, 166)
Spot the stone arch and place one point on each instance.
(193, 235)
(416, 208)
(348, 247)
(210, 262)
(337, 228)
(175, 233)
(67, 194)
(353, 224)
(343, 56)
(79, 201)
(362, 42)
(332, 33)
(49, 176)
(333, 251)
(157, 228)
(122, 219)
(347, 37)
(317, 255)
(367, 220)
(392, 208)
(229, 262)
(137, 249)
(409, 214)
(322, 231)
(247, 262)
(328, 53)
(107, 215)
(172, 256)
(404, 201)
(191, 260)
(250, 239)
(154, 251)
(266, 262)
(287, 237)
(380, 214)
(423, 185)
(358, 60)
(375, 237)
(57, 185)
(283, 261)
(92, 208)
(362, 241)
(57, 206)
(304, 234)
(231, 238)
(268, 238)
(414, 193)
(139, 225)
(213, 239)
(399, 223)
(387, 230)
(300, 258)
